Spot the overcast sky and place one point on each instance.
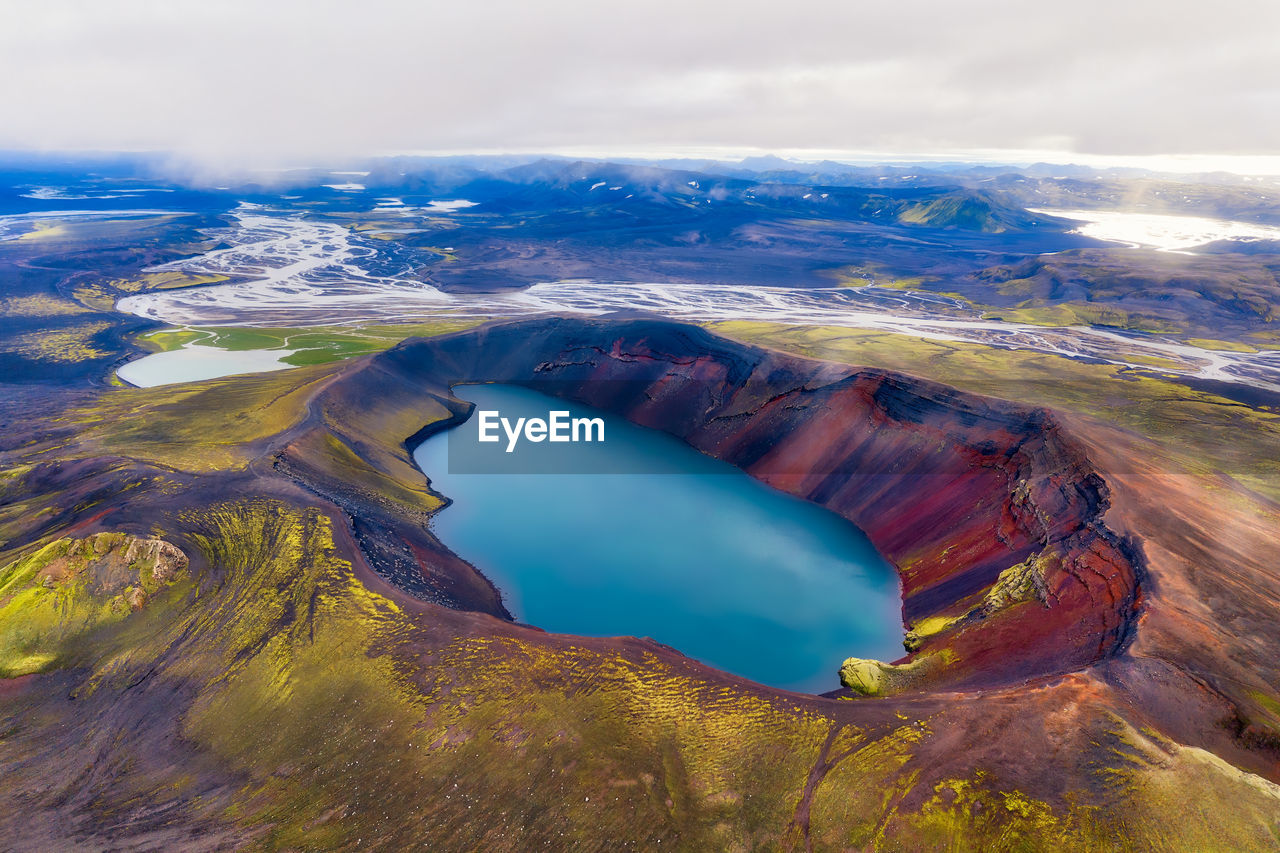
(271, 81)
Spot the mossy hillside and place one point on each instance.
(1085, 314)
(638, 752)
(320, 695)
(1222, 296)
(968, 210)
(1199, 431)
(881, 796)
(69, 587)
(223, 424)
(1022, 582)
(1226, 298)
(364, 443)
(207, 426)
(40, 497)
(331, 461)
(64, 344)
(877, 275)
(39, 305)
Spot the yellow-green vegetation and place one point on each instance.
(40, 306)
(309, 345)
(163, 280)
(206, 426)
(67, 344)
(379, 225)
(961, 806)
(868, 276)
(45, 229)
(344, 466)
(127, 230)
(1082, 314)
(876, 678)
(448, 255)
(314, 692)
(1221, 346)
(395, 229)
(863, 675)
(220, 424)
(1200, 431)
(275, 698)
(877, 275)
(95, 297)
(26, 508)
(866, 801)
(975, 212)
(1023, 582)
(1265, 340)
(69, 587)
(925, 628)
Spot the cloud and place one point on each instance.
(293, 80)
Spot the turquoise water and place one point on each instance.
(706, 560)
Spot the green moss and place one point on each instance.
(212, 425)
(316, 693)
(878, 275)
(168, 280)
(955, 210)
(344, 719)
(923, 629)
(1269, 703)
(329, 455)
(71, 587)
(876, 678)
(16, 665)
(40, 305)
(1023, 582)
(1081, 314)
(1222, 346)
(863, 676)
(69, 344)
(308, 345)
(974, 808)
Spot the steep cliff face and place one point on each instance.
(990, 511)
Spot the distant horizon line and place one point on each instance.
(1237, 164)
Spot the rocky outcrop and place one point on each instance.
(65, 589)
(991, 512)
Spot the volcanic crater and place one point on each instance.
(991, 512)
